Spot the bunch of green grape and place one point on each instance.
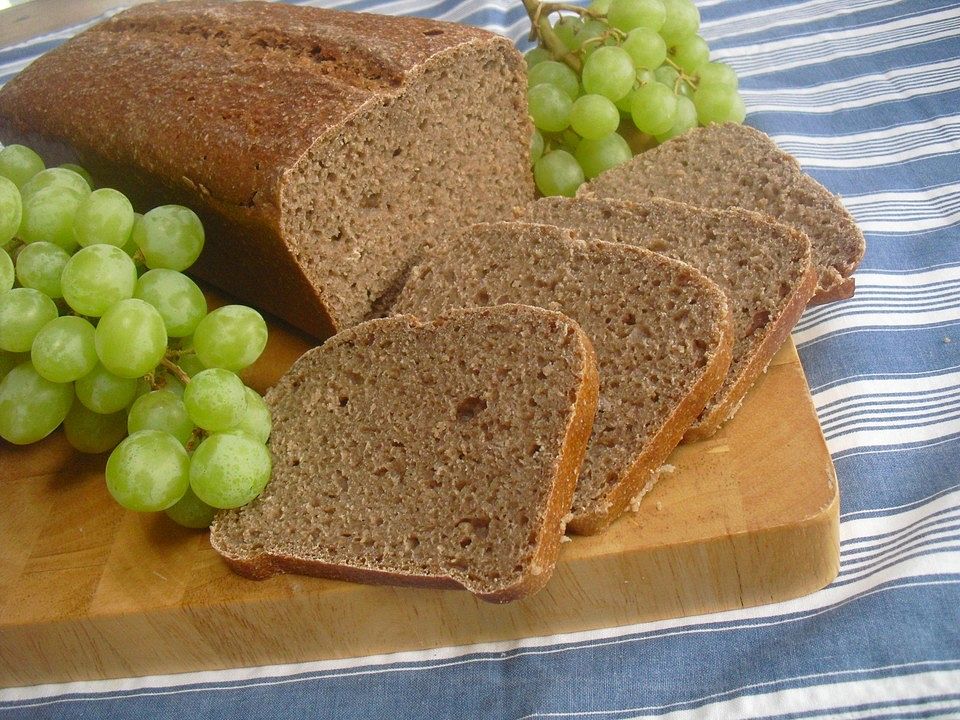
(103, 333)
(616, 79)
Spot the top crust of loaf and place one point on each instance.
(160, 56)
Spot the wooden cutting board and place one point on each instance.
(89, 590)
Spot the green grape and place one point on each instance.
(148, 471)
(717, 104)
(91, 432)
(169, 236)
(549, 107)
(180, 302)
(569, 140)
(684, 119)
(228, 471)
(82, 172)
(626, 15)
(63, 350)
(595, 156)
(609, 72)
(215, 399)
(190, 364)
(31, 407)
(690, 53)
(592, 29)
(130, 337)
(654, 108)
(558, 173)
(257, 422)
(714, 73)
(568, 29)
(11, 210)
(96, 278)
(231, 337)
(557, 74)
(104, 216)
(161, 410)
(48, 216)
(191, 512)
(55, 178)
(7, 272)
(536, 147)
(594, 116)
(646, 48)
(684, 89)
(536, 56)
(19, 163)
(9, 360)
(130, 247)
(682, 20)
(40, 265)
(23, 312)
(599, 7)
(666, 75)
(103, 392)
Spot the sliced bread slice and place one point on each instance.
(439, 454)
(763, 267)
(721, 166)
(662, 332)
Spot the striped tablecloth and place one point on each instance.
(866, 93)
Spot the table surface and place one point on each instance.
(865, 94)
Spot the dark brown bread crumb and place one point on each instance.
(660, 328)
(323, 149)
(722, 166)
(439, 454)
(763, 267)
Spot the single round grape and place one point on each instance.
(594, 116)
(48, 216)
(82, 172)
(536, 56)
(231, 337)
(63, 350)
(690, 53)
(684, 119)
(558, 173)
(103, 392)
(180, 302)
(91, 432)
(568, 29)
(257, 422)
(682, 20)
(8, 273)
(105, 216)
(591, 29)
(161, 410)
(228, 471)
(40, 265)
(169, 236)
(717, 104)
(9, 360)
(609, 72)
(654, 108)
(11, 209)
(55, 178)
(215, 399)
(569, 140)
(536, 146)
(148, 471)
(715, 73)
(19, 163)
(626, 15)
(684, 89)
(31, 407)
(557, 74)
(646, 48)
(23, 312)
(191, 512)
(595, 156)
(666, 75)
(96, 278)
(625, 104)
(130, 337)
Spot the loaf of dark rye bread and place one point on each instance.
(722, 166)
(438, 454)
(763, 267)
(661, 331)
(323, 149)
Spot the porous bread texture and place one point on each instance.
(661, 331)
(437, 454)
(732, 165)
(763, 267)
(323, 150)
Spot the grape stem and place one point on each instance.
(683, 77)
(175, 370)
(540, 29)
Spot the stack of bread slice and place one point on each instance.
(452, 444)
